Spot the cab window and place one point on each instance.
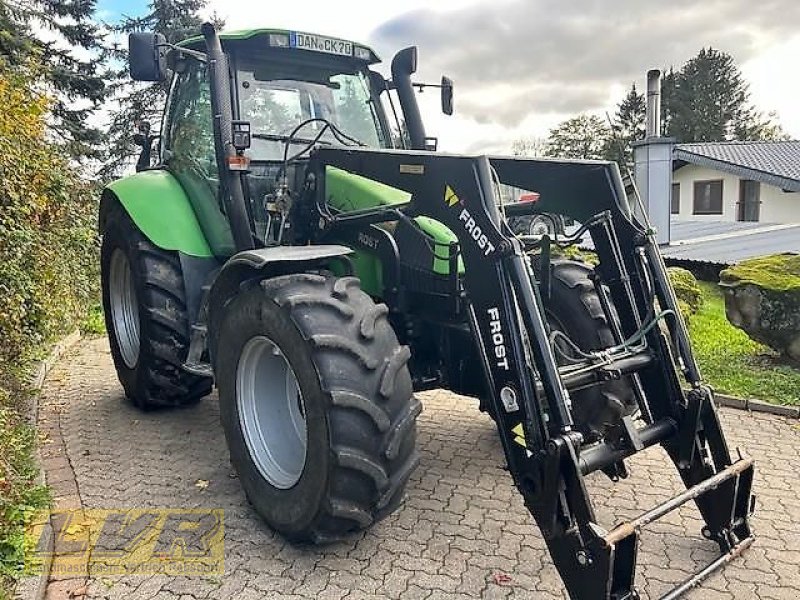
(190, 139)
(276, 97)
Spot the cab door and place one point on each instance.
(188, 152)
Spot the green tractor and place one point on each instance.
(301, 245)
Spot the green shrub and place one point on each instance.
(690, 297)
(575, 253)
(48, 237)
(94, 323)
(20, 497)
(48, 281)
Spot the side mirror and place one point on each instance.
(142, 135)
(147, 56)
(143, 138)
(447, 95)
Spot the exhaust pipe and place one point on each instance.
(404, 64)
(231, 184)
(653, 103)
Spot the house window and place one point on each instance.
(708, 197)
(749, 205)
(675, 204)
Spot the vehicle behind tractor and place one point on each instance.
(300, 244)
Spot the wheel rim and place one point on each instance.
(271, 412)
(538, 226)
(124, 308)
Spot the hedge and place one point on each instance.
(48, 280)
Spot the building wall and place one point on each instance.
(777, 206)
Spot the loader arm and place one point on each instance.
(530, 393)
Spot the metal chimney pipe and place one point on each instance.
(653, 103)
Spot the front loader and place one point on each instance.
(319, 262)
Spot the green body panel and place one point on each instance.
(159, 207)
(368, 269)
(442, 236)
(349, 192)
(202, 193)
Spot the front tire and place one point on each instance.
(316, 403)
(144, 302)
(574, 309)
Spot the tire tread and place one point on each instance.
(347, 332)
(596, 409)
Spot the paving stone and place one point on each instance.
(462, 521)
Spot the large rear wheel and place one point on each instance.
(317, 406)
(145, 311)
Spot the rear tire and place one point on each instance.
(353, 391)
(145, 312)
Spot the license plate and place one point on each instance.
(319, 43)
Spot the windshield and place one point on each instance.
(275, 98)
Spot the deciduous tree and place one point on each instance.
(529, 146)
(584, 136)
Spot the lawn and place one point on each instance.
(733, 363)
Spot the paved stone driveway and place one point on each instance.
(461, 526)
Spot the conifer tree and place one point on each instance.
(140, 102)
(628, 126)
(709, 100)
(60, 40)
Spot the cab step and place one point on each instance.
(197, 347)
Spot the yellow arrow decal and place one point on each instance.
(520, 433)
(450, 197)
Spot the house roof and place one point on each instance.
(726, 243)
(774, 163)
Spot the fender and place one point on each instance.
(160, 208)
(258, 264)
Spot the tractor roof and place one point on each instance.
(286, 39)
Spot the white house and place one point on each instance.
(737, 181)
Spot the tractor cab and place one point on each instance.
(290, 92)
(287, 80)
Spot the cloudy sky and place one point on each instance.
(521, 66)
